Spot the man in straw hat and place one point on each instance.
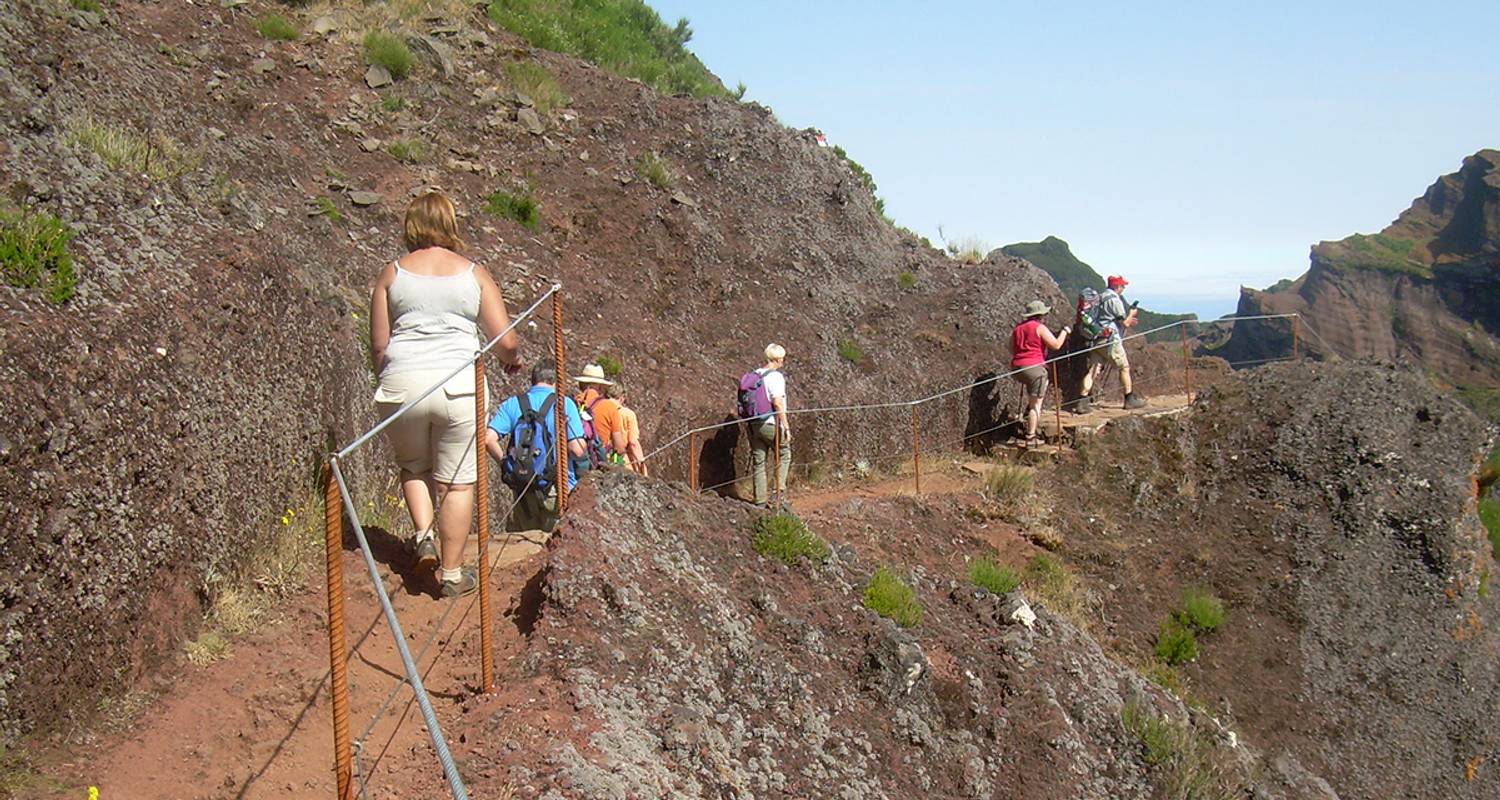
(603, 431)
(1029, 344)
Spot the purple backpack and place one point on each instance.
(754, 398)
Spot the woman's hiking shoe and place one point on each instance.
(467, 582)
(1133, 401)
(427, 553)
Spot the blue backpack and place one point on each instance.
(528, 464)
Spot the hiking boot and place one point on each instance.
(467, 582)
(1083, 405)
(1134, 401)
(426, 553)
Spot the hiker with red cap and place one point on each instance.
(1112, 316)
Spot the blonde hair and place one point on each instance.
(431, 221)
(775, 352)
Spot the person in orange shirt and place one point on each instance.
(634, 454)
(600, 412)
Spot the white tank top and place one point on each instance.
(434, 321)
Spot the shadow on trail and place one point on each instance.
(994, 413)
(391, 551)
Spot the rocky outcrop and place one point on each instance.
(1426, 290)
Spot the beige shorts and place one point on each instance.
(436, 436)
(1034, 378)
(1114, 354)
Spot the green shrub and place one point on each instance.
(993, 578)
(325, 207)
(653, 168)
(91, 6)
(385, 50)
(392, 104)
(785, 536)
(34, 254)
(1489, 514)
(1055, 586)
(850, 352)
(522, 208)
(968, 249)
(623, 36)
(1176, 644)
(907, 280)
(408, 151)
(859, 171)
(1008, 484)
(276, 28)
(1200, 611)
(612, 366)
(534, 81)
(887, 596)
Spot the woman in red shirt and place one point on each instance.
(1029, 343)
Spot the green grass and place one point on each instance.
(859, 172)
(850, 352)
(655, 169)
(157, 156)
(968, 249)
(408, 151)
(1055, 586)
(1187, 764)
(1489, 514)
(534, 81)
(386, 50)
(907, 280)
(612, 366)
(520, 208)
(1176, 644)
(1200, 611)
(994, 578)
(393, 104)
(1377, 251)
(623, 36)
(91, 6)
(889, 597)
(325, 207)
(1009, 484)
(1482, 400)
(276, 28)
(34, 254)
(785, 536)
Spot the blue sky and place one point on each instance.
(1192, 147)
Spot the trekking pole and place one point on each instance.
(482, 509)
(338, 662)
(1187, 381)
(1296, 335)
(693, 461)
(916, 453)
(561, 423)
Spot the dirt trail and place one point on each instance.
(258, 723)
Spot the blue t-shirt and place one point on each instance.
(509, 413)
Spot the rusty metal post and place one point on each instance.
(1296, 336)
(561, 405)
(482, 509)
(693, 461)
(916, 453)
(338, 659)
(1057, 402)
(1187, 381)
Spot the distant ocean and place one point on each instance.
(1206, 307)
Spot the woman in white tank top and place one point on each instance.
(426, 314)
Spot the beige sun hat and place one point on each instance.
(593, 373)
(1036, 308)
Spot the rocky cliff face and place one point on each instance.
(1425, 290)
(232, 196)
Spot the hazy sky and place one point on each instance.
(1193, 147)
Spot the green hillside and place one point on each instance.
(1055, 257)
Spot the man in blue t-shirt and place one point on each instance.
(535, 509)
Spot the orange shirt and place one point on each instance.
(630, 424)
(606, 414)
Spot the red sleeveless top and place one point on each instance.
(1026, 348)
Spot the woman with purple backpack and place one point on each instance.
(762, 404)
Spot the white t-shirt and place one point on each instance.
(775, 383)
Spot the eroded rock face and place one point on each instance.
(1426, 290)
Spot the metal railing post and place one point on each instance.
(482, 509)
(561, 405)
(693, 462)
(338, 659)
(916, 453)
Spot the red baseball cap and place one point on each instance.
(1116, 280)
